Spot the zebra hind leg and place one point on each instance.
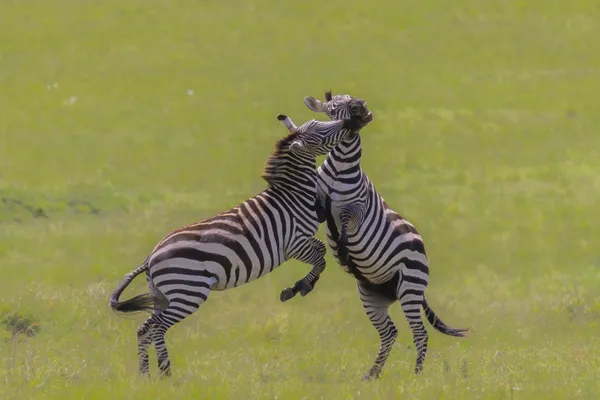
(146, 330)
(161, 303)
(184, 297)
(411, 301)
(144, 336)
(144, 339)
(376, 303)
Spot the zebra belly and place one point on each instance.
(380, 266)
(185, 271)
(387, 289)
(224, 265)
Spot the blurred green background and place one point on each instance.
(122, 120)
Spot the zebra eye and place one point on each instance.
(296, 145)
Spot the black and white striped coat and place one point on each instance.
(241, 244)
(378, 246)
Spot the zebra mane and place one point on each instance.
(274, 160)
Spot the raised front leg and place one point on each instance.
(321, 211)
(342, 242)
(351, 212)
(312, 251)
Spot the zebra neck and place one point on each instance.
(299, 184)
(292, 173)
(345, 157)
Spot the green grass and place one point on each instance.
(485, 136)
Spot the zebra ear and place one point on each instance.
(314, 104)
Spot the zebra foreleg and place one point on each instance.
(312, 253)
(321, 211)
(342, 245)
(347, 213)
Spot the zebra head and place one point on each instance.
(340, 106)
(306, 142)
(319, 138)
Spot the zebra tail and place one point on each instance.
(439, 325)
(142, 302)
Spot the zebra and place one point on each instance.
(383, 250)
(239, 245)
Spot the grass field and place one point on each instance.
(122, 120)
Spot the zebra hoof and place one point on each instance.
(368, 377)
(165, 374)
(281, 117)
(372, 375)
(286, 294)
(304, 288)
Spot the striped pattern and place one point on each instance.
(238, 245)
(378, 246)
